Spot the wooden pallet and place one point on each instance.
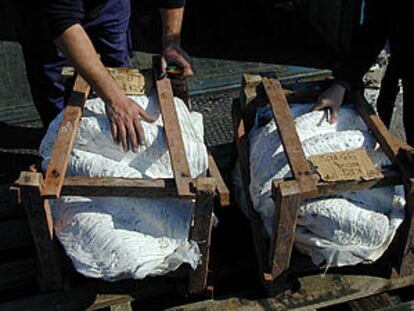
(274, 256)
(35, 190)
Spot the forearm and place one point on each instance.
(78, 48)
(172, 20)
(369, 39)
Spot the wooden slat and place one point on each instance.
(407, 234)
(391, 178)
(14, 234)
(41, 226)
(256, 224)
(315, 293)
(223, 191)
(179, 163)
(65, 139)
(392, 146)
(123, 187)
(289, 137)
(201, 232)
(396, 151)
(93, 296)
(287, 198)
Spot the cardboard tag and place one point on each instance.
(345, 165)
(131, 81)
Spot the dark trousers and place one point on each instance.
(392, 21)
(107, 26)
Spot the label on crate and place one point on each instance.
(130, 80)
(345, 165)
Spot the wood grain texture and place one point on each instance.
(41, 226)
(123, 187)
(179, 162)
(315, 293)
(407, 234)
(391, 177)
(201, 233)
(256, 223)
(65, 138)
(287, 131)
(399, 153)
(389, 143)
(222, 190)
(287, 198)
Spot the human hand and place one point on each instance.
(173, 54)
(331, 99)
(125, 118)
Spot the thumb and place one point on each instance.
(163, 68)
(147, 117)
(334, 116)
(320, 104)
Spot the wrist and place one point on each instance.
(345, 86)
(110, 93)
(171, 40)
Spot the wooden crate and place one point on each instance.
(274, 255)
(35, 189)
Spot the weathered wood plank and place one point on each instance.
(41, 225)
(396, 151)
(394, 148)
(391, 178)
(315, 292)
(249, 99)
(92, 296)
(372, 303)
(175, 142)
(223, 191)
(406, 306)
(128, 187)
(112, 186)
(14, 234)
(287, 198)
(65, 139)
(256, 223)
(287, 131)
(125, 306)
(201, 233)
(17, 273)
(407, 232)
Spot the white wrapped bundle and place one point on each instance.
(117, 238)
(345, 229)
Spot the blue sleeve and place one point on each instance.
(171, 4)
(62, 14)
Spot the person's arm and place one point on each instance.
(368, 41)
(123, 114)
(172, 53)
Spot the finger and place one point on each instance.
(163, 68)
(114, 130)
(132, 136)
(146, 116)
(320, 104)
(334, 116)
(139, 130)
(123, 135)
(184, 64)
(187, 72)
